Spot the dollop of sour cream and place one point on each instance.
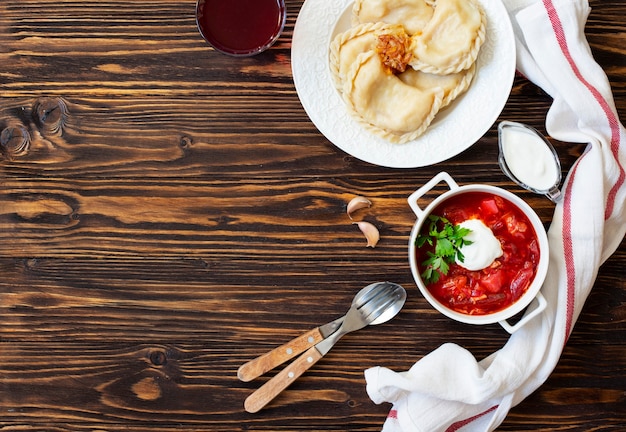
(529, 158)
(485, 247)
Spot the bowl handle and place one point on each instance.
(541, 305)
(415, 196)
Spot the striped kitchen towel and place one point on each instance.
(449, 389)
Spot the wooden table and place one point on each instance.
(184, 215)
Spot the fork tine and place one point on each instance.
(373, 294)
(368, 294)
(378, 307)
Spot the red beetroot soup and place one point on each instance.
(502, 283)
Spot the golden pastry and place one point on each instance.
(384, 104)
(413, 15)
(394, 79)
(452, 85)
(346, 46)
(451, 40)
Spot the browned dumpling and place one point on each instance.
(451, 40)
(413, 15)
(384, 104)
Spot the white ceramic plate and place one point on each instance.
(454, 130)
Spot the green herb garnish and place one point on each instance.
(447, 241)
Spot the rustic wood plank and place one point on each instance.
(188, 217)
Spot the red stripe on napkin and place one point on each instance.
(458, 425)
(614, 125)
(568, 252)
(611, 117)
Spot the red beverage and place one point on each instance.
(240, 27)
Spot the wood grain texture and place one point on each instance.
(187, 217)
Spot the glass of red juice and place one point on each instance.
(241, 27)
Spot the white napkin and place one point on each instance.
(448, 389)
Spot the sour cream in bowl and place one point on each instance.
(497, 253)
(528, 158)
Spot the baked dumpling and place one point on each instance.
(384, 104)
(453, 84)
(451, 40)
(346, 46)
(413, 15)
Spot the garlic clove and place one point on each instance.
(357, 203)
(370, 231)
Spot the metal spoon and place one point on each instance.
(271, 359)
(374, 304)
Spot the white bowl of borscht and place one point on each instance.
(478, 253)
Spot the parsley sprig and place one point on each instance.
(447, 241)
